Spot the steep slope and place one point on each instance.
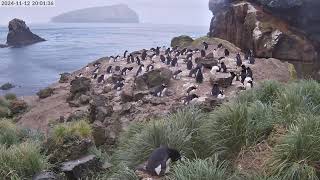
(107, 14)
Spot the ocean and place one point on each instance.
(72, 46)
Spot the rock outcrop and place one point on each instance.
(20, 34)
(250, 26)
(181, 41)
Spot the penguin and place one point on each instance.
(124, 71)
(144, 55)
(220, 45)
(125, 54)
(243, 75)
(239, 61)
(175, 74)
(191, 89)
(183, 51)
(174, 62)
(189, 56)
(159, 160)
(94, 76)
(249, 73)
(203, 53)
(226, 52)
(112, 58)
(128, 59)
(193, 72)
(215, 90)
(221, 95)
(189, 98)
(130, 68)
(87, 68)
(223, 67)
(109, 70)
(189, 65)
(79, 75)
(116, 58)
(149, 67)
(100, 78)
(96, 70)
(199, 76)
(131, 58)
(160, 91)
(118, 86)
(140, 70)
(215, 69)
(167, 52)
(251, 60)
(138, 61)
(157, 51)
(169, 60)
(206, 45)
(233, 75)
(162, 59)
(249, 85)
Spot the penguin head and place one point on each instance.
(194, 96)
(221, 92)
(243, 66)
(174, 155)
(164, 85)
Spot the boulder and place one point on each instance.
(81, 168)
(46, 175)
(20, 34)
(207, 62)
(79, 86)
(127, 92)
(18, 106)
(77, 115)
(181, 41)
(44, 93)
(6, 86)
(153, 79)
(224, 80)
(104, 135)
(84, 99)
(64, 77)
(98, 109)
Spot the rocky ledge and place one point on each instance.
(250, 26)
(20, 35)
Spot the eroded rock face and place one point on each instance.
(249, 27)
(20, 34)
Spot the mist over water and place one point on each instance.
(72, 46)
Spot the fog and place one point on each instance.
(188, 12)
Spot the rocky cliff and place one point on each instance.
(271, 28)
(106, 14)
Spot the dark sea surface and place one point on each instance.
(72, 46)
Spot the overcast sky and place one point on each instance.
(189, 12)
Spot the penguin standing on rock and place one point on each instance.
(206, 45)
(203, 53)
(101, 79)
(168, 60)
(223, 67)
(191, 89)
(189, 65)
(138, 61)
(125, 54)
(243, 75)
(109, 70)
(141, 67)
(249, 73)
(128, 59)
(239, 61)
(160, 91)
(149, 67)
(189, 56)
(159, 160)
(199, 76)
(174, 62)
(167, 52)
(215, 90)
(176, 74)
(162, 59)
(189, 98)
(144, 55)
(118, 86)
(226, 52)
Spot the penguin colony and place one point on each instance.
(182, 63)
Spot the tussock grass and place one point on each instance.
(9, 133)
(10, 96)
(78, 129)
(201, 169)
(122, 172)
(297, 156)
(176, 131)
(21, 160)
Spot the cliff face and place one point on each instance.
(268, 29)
(107, 14)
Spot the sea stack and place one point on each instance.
(20, 34)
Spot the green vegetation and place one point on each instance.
(78, 129)
(212, 141)
(10, 96)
